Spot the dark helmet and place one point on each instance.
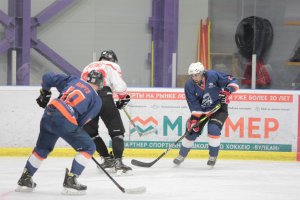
(109, 55)
(96, 78)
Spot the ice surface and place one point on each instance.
(192, 180)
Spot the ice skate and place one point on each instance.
(212, 161)
(108, 164)
(25, 183)
(71, 186)
(121, 168)
(178, 160)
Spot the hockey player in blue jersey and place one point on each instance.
(77, 103)
(204, 91)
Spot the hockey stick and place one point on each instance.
(137, 190)
(135, 127)
(143, 164)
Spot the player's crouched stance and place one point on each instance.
(204, 90)
(77, 103)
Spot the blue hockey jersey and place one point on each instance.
(204, 97)
(77, 100)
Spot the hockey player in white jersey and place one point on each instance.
(110, 115)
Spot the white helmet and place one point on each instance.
(196, 68)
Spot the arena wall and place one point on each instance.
(262, 124)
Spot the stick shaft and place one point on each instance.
(130, 119)
(109, 176)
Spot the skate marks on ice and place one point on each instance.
(192, 180)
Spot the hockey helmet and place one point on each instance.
(196, 68)
(95, 77)
(108, 55)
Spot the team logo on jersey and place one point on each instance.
(144, 127)
(211, 85)
(206, 101)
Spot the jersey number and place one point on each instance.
(72, 97)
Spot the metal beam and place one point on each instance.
(22, 41)
(4, 19)
(4, 46)
(45, 15)
(164, 24)
(21, 35)
(53, 57)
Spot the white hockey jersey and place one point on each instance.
(112, 76)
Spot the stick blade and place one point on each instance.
(141, 164)
(138, 190)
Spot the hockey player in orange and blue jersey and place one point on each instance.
(77, 104)
(204, 91)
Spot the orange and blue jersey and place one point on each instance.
(77, 100)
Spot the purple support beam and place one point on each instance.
(22, 41)
(10, 33)
(4, 19)
(164, 22)
(51, 11)
(4, 45)
(53, 57)
(170, 37)
(21, 35)
(42, 48)
(23, 68)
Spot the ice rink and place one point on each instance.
(229, 180)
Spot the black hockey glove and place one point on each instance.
(44, 98)
(224, 96)
(121, 103)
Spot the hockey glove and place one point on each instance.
(224, 96)
(44, 98)
(121, 103)
(191, 123)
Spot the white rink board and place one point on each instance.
(260, 120)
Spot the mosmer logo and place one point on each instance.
(144, 126)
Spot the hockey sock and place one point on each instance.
(118, 146)
(33, 163)
(186, 146)
(214, 139)
(213, 151)
(79, 162)
(101, 146)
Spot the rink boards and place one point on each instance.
(262, 124)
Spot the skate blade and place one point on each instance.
(124, 173)
(139, 190)
(109, 170)
(24, 189)
(177, 163)
(70, 191)
(113, 172)
(210, 167)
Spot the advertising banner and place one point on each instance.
(258, 120)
